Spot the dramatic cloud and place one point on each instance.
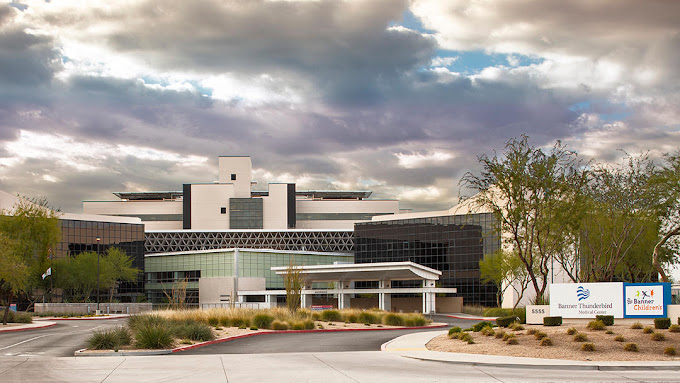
(398, 97)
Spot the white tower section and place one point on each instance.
(237, 171)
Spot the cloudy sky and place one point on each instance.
(398, 97)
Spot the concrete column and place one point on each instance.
(305, 299)
(428, 298)
(385, 299)
(343, 299)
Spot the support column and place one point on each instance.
(385, 299)
(428, 298)
(343, 299)
(305, 299)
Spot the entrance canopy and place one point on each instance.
(384, 271)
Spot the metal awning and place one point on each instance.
(384, 271)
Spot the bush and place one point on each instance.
(487, 331)
(670, 351)
(508, 335)
(631, 347)
(316, 315)
(587, 347)
(580, 337)
(103, 340)
(309, 324)
(572, 331)
(516, 327)
(351, 318)
(123, 335)
(297, 326)
(662, 323)
(392, 319)
(505, 321)
(279, 325)
(540, 335)
(546, 342)
(500, 334)
(521, 313)
(224, 322)
(262, 321)
(512, 341)
(253, 328)
(657, 336)
(552, 321)
(214, 321)
(596, 325)
(415, 320)
(331, 316)
(608, 320)
(138, 321)
(636, 326)
(609, 332)
(17, 317)
(465, 337)
(369, 317)
(153, 337)
(454, 330)
(454, 335)
(532, 331)
(477, 327)
(620, 338)
(240, 322)
(647, 330)
(193, 330)
(674, 328)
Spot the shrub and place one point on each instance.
(153, 337)
(670, 351)
(415, 320)
(470, 341)
(521, 313)
(253, 328)
(103, 340)
(636, 326)
(371, 318)
(647, 330)
(620, 338)
(609, 332)
(316, 315)
(297, 326)
(674, 328)
(500, 334)
(123, 335)
(392, 319)
(331, 316)
(580, 337)
(631, 347)
(546, 342)
(572, 331)
(193, 330)
(516, 327)
(587, 347)
(662, 323)
(532, 331)
(464, 336)
(351, 318)
(454, 330)
(144, 320)
(508, 335)
(512, 341)
(262, 320)
(279, 325)
(596, 325)
(480, 326)
(309, 324)
(505, 321)
(487, 331)
(240, 322)
(608, 320)
(540, 335)
(242, 327)
(17, 317)
(213, 321)
(552, 321)
(454, 335)
(657, 336)
(224, 322)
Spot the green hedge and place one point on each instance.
(552, 321)
(608, 320)
(662, 323)
(506, 321)
(519, 312)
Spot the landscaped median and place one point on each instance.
(178, 330)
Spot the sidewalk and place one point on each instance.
(413, 346)
(25, 326)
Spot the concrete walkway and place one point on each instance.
(413, 346)
(26, 326)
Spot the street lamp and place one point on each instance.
(98, 240)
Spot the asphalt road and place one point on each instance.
(60, 340)
(315, 341)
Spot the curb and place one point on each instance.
(27, 328)
(75, 318)
(82, 353)
(472, 318)
(197, 345)
(583, 367)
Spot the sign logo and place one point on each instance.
(582, 293)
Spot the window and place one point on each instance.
(223, 210)
(233, 177)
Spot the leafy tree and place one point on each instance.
(293, 281)
(505, 270)
(530, 193)
(29, 231)
(667, 181)
(119, 265)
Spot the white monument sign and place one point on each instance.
(585, 300)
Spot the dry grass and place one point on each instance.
(607, 348)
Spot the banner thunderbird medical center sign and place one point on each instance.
(585, 300)
(629, 300)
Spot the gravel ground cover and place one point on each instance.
(564, 347)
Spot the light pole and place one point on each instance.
(98, 240)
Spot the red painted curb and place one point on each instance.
(26, 328)
(74, 318)
(457, 317)
(197, 345)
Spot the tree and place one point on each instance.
(119, 266)
(505, 270)
(667, 181)
(530, 193)
(293, 281)
(29, 232)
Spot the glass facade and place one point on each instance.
(79, 236)
(336, 216)
(453, 245)
(245, 213)
(163, 270)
